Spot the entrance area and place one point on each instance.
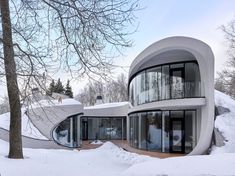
(177, 135)
(103, 128)
(172, 131)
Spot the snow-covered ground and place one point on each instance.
(109, 160)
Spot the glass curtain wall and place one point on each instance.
(165, 82)
(163, 131)
(103, 128)
(66, 133)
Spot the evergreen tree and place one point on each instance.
(68, 90)
(59, 88)
(51, 88)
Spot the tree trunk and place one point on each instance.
(15, 149)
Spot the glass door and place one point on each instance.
(177, 135)
(177, 82)
(84, 130)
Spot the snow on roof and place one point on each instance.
(43, 103)
(108, 105)
(28, 129)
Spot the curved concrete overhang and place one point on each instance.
(191, 49)
(186, 103)
(107, 110)
(47, 117)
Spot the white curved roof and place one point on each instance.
(171, 49)
(108, 109)
(108, 105)
(46, 114)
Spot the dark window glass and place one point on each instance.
(177, 83)
(144, 131)
(153, 84)
(165, 83)
(165, 131)
(136, 131)
(190, 130)
(177, 114)
(66, 132)
(192, 80)
(154, 126)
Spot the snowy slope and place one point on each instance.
(225, 123)
(28, 129)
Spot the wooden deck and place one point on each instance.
(124, 144)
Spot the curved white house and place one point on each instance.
(171, 89)
(67, 123)
(170, 108)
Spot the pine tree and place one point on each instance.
(51, 88)
(68, 90)
(59, 88)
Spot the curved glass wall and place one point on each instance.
(66, 133)
(170, 81)
(163, 131)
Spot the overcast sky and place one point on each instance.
(194, 18)
(200, 19)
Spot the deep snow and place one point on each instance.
(225, 123)
(110, 160)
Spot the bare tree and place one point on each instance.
(225, 81)
(53, 35)
(111, 90)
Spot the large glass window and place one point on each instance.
(144, 130)
(190, 130)
(164, 131)
(103, 128)
(165, 82)
(66, 133)
(192, 80)
(154, 135)
(177, 82)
